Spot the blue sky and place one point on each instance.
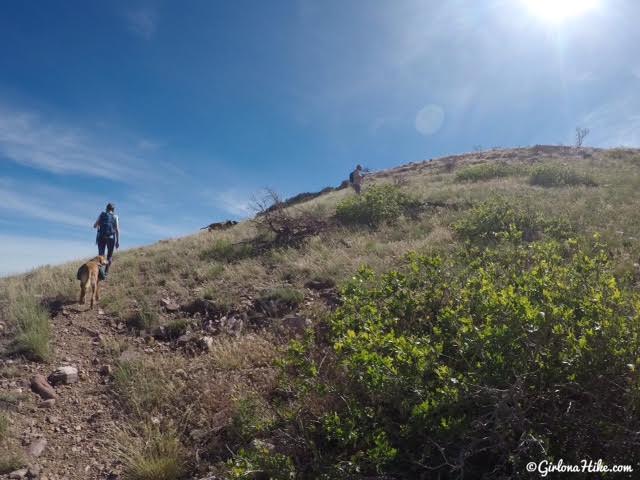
(179, 112)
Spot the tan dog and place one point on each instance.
(88, 274)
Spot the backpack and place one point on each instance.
(107, 225)
(351, 177)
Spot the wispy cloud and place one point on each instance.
(26, 138)
(233, 202)
(614, 124)
(21, 253)
(38, 207)
(143, 22)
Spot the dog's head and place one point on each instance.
(101, 260)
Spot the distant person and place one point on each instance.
(108, 235)
(356, 178)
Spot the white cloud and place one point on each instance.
(39, 208)
(27, 139)
(614, 124)
(233, 202)
(22, 253)
(143, 22)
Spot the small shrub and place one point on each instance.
(144, 317)
(10, 460)
(154, 454)
(225, 251)
(377, 205)
(496, 218)
(487, 171)
(286, 295)
(142, 388)
(32, 328)
(559, 176)
(261, 463)
(251, 417)
(176, 328)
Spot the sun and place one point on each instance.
(560, 10)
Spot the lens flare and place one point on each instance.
(559, 10)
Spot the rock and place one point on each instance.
(22, 473)
(106, 370)
(169, 305)
(64, 376)
(36, 448)
(100, 311)
(231, 325)
(185, 339)
(296, 324)
(50, 403)
(320, 284)
(34, 471)
(40, 386)
(206, 343)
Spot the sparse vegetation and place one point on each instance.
(559, 176)
(152, 454)
(31, 321)
(509, 331)
(488, 171)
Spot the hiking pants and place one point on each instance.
(109, 243)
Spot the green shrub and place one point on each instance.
(553, 175)
(497, 217)
(377, 205)
(472, 361)
(250, 417)
(33, 331)
(285, 295)
(487, 171)
(225, 251)
(261, 463)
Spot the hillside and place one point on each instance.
(495, 323)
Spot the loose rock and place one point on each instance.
(22, 473)
(40, 386)
(50, 403)
(36, 448)
(64, 376)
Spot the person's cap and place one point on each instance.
(359, 166)
(110, 207)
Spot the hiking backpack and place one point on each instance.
(107, 224)
(351, 177)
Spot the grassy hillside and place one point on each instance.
(462, 317)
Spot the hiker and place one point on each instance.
(356, 178)
(108, 234)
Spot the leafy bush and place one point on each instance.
(553, 175)
(261, 463)
(463, 367)
(225, 251)
(33, 331)
(377, 205)
(487, 171)
(496, 218)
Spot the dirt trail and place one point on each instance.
(78, 428)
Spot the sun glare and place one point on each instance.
(559, 10)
